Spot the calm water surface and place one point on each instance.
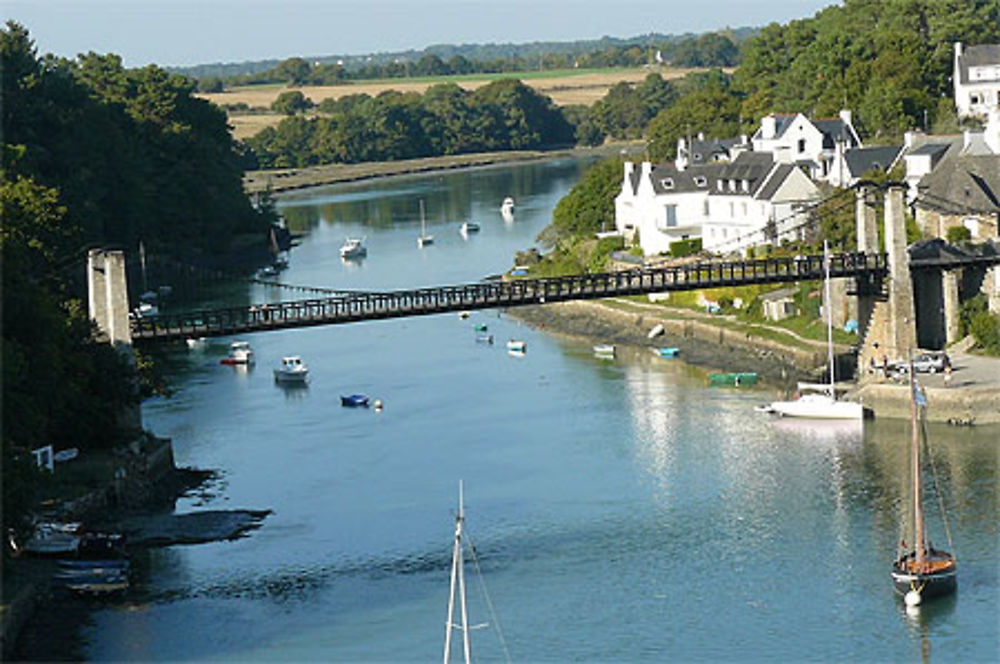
(621, 510)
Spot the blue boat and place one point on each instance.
(354, 401)
(669, 352)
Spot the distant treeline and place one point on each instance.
(717, 49)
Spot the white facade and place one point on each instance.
(797, 139)
(663, 204)
(977, 79)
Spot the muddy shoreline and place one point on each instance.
(601, 323)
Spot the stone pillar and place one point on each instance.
(867, 221)
(108, 306)
(902, 319)
(108, 296)
(840, 309)
(949, 288)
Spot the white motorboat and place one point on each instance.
(822, 404)
(469, 227)
(604, 350)
(353, 247)
(424, 239)
(517, 345)
(239, 353)
(292, 370)
(507, 208)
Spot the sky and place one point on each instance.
(189, 32)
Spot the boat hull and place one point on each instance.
(818, 408)
(941, 580)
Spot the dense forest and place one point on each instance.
(93, 154)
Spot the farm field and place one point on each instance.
(564, 87)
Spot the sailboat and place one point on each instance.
(424, 238)
(921, 571)
(458, 583)
(822, 404)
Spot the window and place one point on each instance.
(718, 185)
(973, 98)
(732, 210)
(700, 180)
(744, 209)
(705, 207)
(732, 185)
(669, 219)
(745, 185)
(802, 145)
(668, 183)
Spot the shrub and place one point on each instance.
(687, 247)
(958, 234)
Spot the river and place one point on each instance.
(621, 510)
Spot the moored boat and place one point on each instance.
(822, 404)
(517, 345)
(354, 401)
(606, 350)
(669, 352)
(507, 208)
(733, 379)
(353, 247)
(921, 571)
(469, 227)
(291, 370)
(239, 353)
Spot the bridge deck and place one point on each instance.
(436, 300)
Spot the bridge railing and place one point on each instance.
(423, 301)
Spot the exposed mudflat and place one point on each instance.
(193, 528)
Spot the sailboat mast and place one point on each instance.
(918, 511)
(457, 573)
(466, 646)
(827, 305)
(422, 233)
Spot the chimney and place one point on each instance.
(629, 169)
(647, 170)
(845, 116)
(743, 139)
(908, 139)
(768, 126)
(701, 136)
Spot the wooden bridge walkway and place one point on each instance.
(867, 270)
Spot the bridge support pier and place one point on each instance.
(952, 305)
(892, 331)
(108, 306)
(863, 305)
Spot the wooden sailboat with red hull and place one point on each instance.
(921, 571)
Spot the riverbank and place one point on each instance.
(701, 342)
(133, 491)
(288, 180)
(971, 397)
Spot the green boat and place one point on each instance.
(741, 379)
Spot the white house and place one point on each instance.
(977, 79)
(847, 167)
(730, 206)
(809, 143)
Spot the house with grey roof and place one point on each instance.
(977, 79)
(964, 190)
(795, 139)
(729, 205)
(847, 167)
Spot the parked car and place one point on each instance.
(930, 362)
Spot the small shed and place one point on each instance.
(779, 304)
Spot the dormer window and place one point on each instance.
(732, 185)
(700, 180)
(668, 183)
(745, 185)
(697, 156)
(718, 184)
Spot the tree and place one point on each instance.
(712, 110)
(293, 70)
(291, 102)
